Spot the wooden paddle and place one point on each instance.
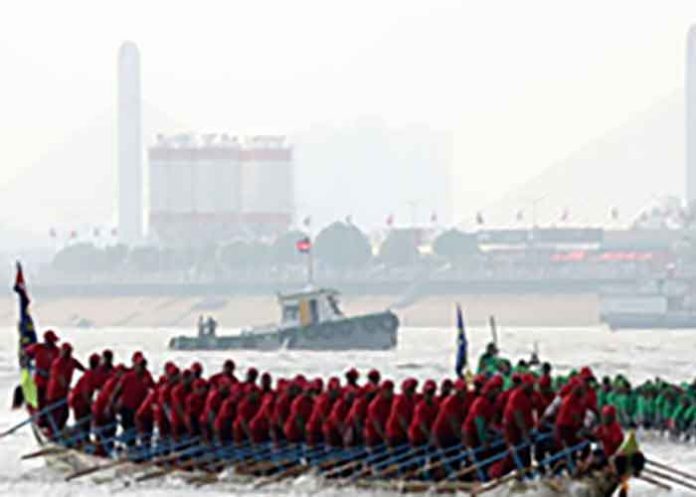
(34, 417)
(97, 467)
(293, 471)
(392, 466)
(654, 482)
(674, 470)
(47, 451)
(102, 467)
(203, 459)
(669, 477)
(78, 436)
(356, 461)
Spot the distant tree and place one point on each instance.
(168, 259)
(342, 246)
(145, 259)
(79, 258)
(235, 254)
(183, 259)
(240, 254)
(284, 249)
(400, 248)
(456, 246)
(207, 258)
(115, 256)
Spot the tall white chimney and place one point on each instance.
(130, 171)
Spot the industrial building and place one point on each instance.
(211, 188)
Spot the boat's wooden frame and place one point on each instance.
(71, 460)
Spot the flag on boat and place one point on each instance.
(27, 336)
(462, 344)
(304, 245)
(27, 332)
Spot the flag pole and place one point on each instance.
(310, 266)
(494, 329)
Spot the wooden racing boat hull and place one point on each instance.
(72, 460)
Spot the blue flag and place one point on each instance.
(26, 391)
(462, 344)
(27, 332)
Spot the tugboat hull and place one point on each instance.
(369, 332)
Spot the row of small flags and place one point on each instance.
(519, 217)
(73, 234)
(389, 221)
(563, 217)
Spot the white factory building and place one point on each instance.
(208, 188)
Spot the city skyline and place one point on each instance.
(476, 102)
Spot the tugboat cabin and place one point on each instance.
(309, 307)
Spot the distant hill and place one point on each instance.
(627, 168)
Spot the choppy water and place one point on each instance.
(422, 353)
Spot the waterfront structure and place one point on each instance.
(210, 188)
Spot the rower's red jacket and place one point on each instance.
(212, 405)
(225, 416)
(162, 407)
(400, 417)
(193, 407)
(611, 437)
(377, 416)
(519, 406)
(133, 390)
(320, 412)
(144, 416)
(102, 375)
(571, 413)
(478, 420)
(281, 409)
(246, 410)
(218, 378)
(358, 412)
(102, 409)
(247, 387)
(300, 411)
(260, 425)
(500, 403)
(177, 414)
(80, 397)
(334, 426)
(43, 355)
(451, 413)
(351, 389)
(60, 377)
(543, 397)
(590, 397)
(423, 417)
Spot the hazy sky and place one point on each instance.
(521, 84)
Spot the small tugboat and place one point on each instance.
(310, 320)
